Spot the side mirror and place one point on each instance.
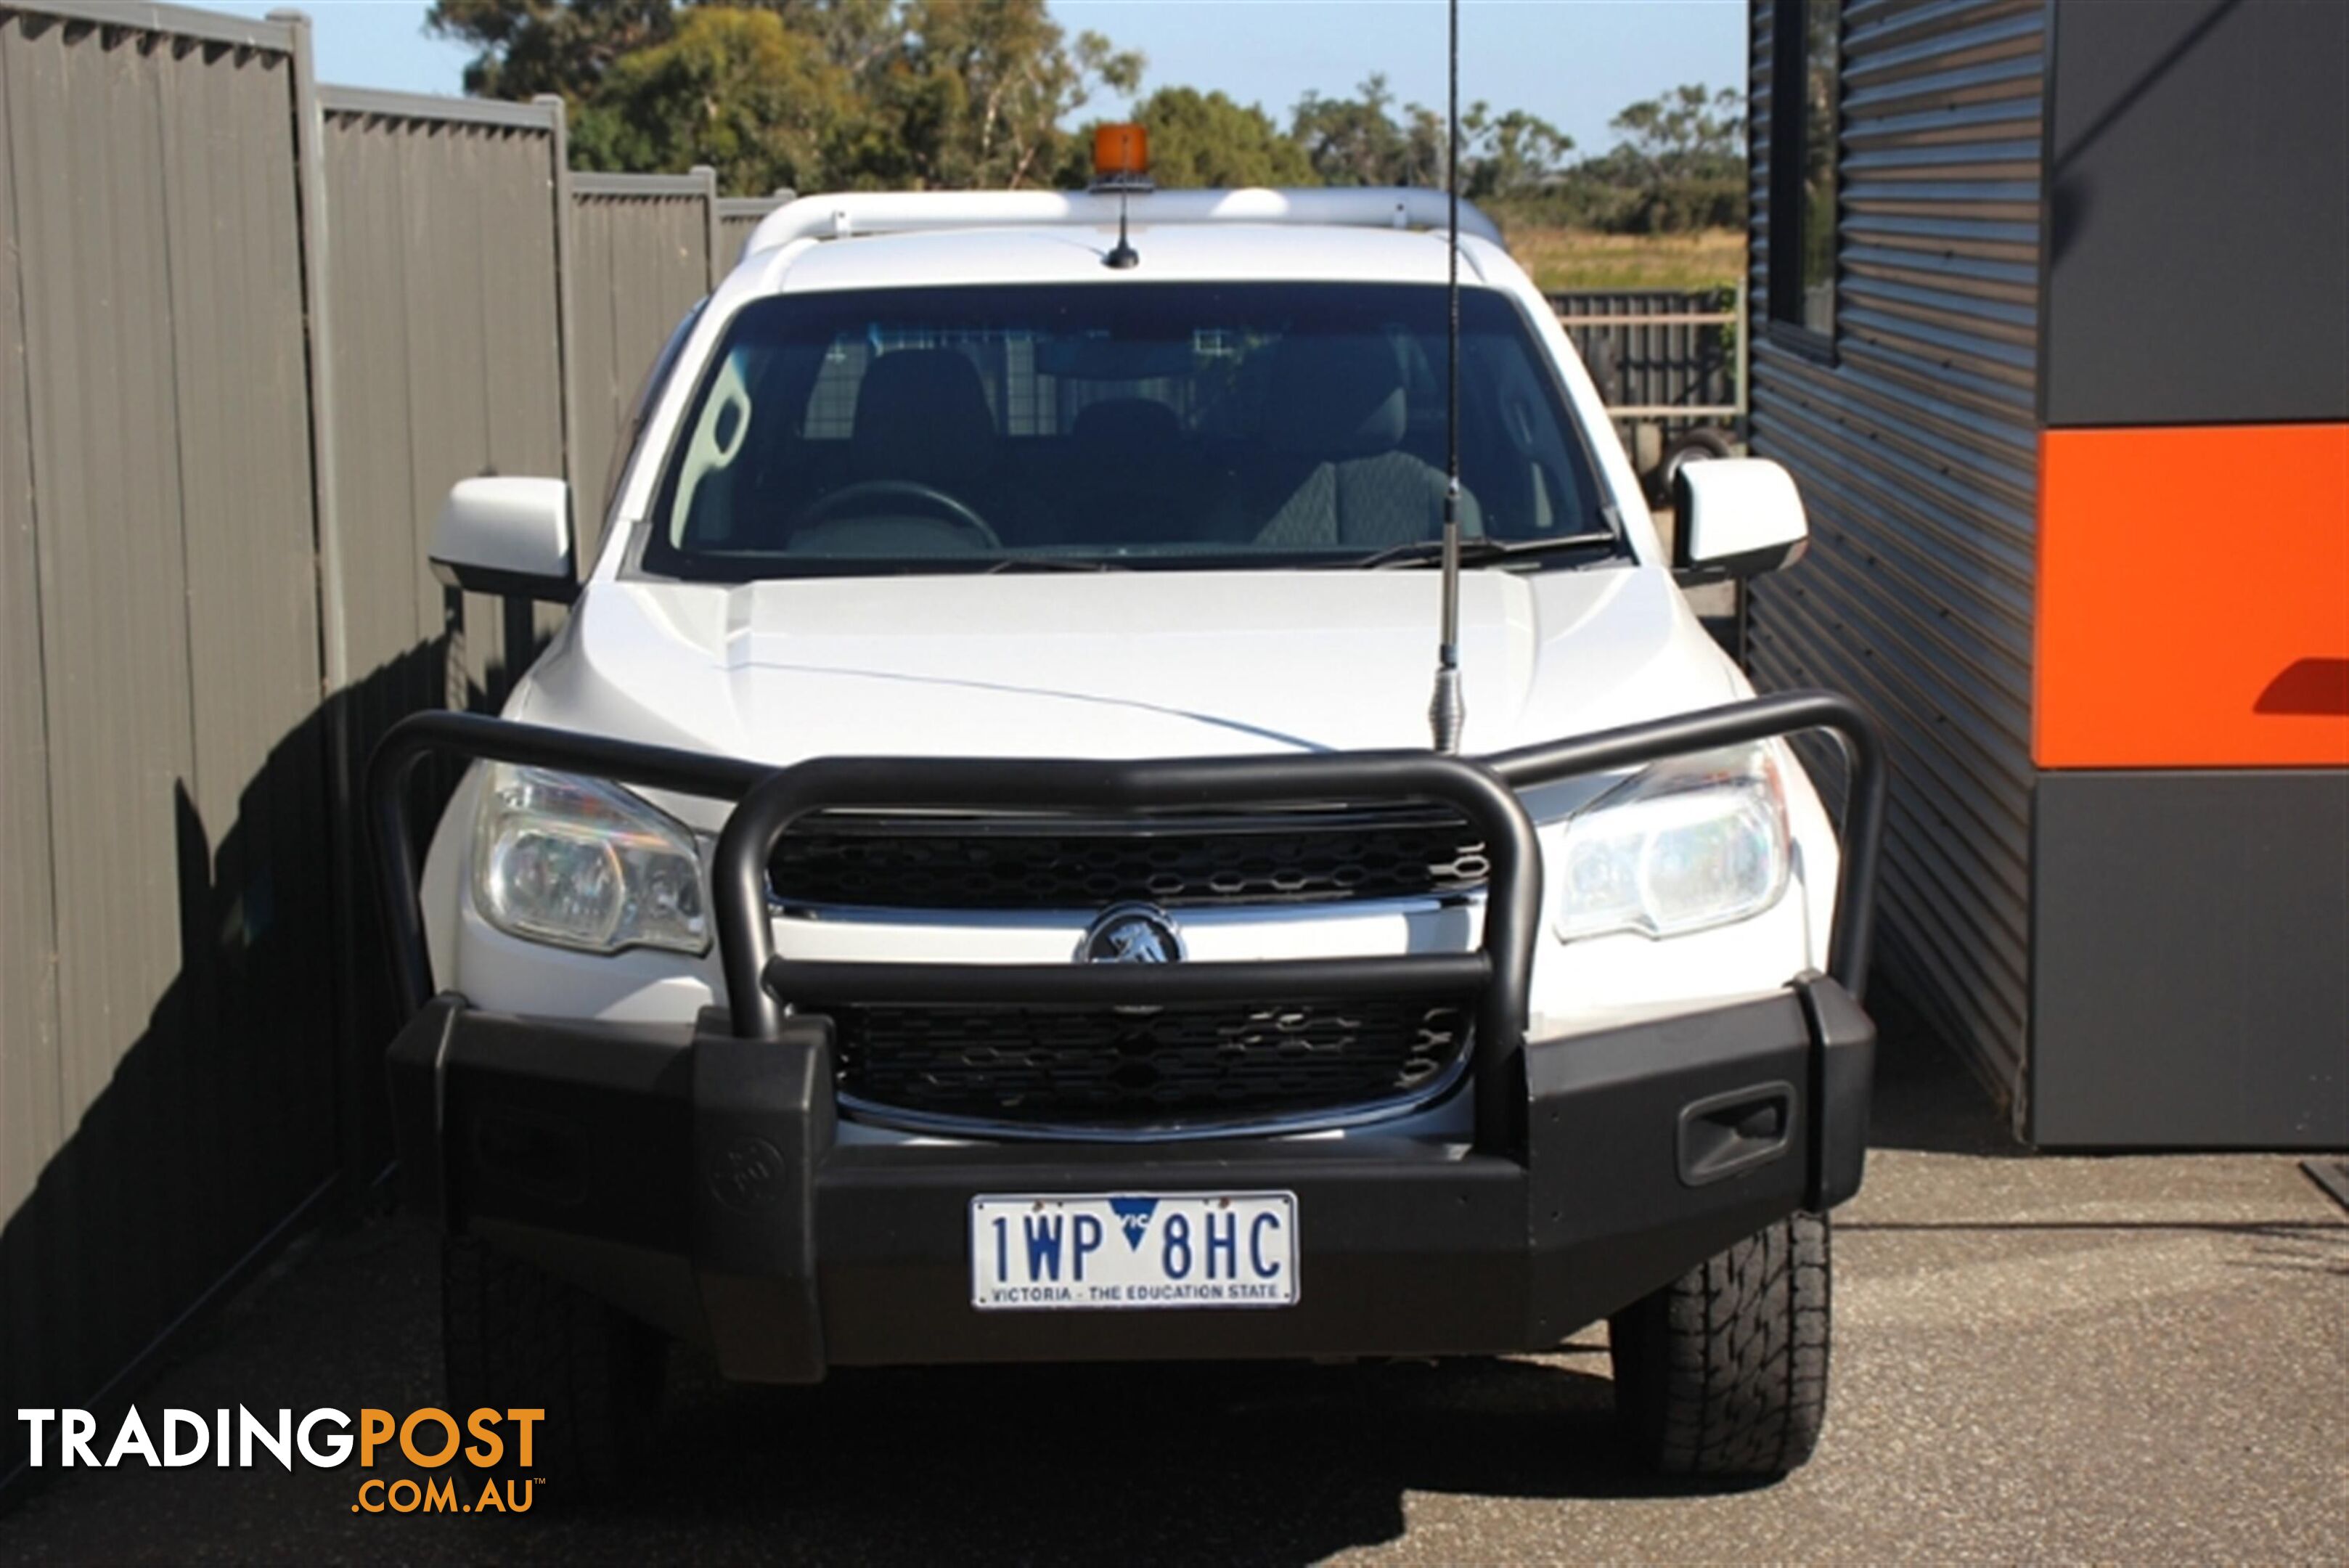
(1738, 518)
(510, 536)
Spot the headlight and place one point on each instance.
(580, 864)
(1690, 843)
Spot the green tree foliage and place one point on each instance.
(531, 46)
(738, 90)
(1360, 140)
(896, 94)
(1205, 140)
(979, 89)
(813, 93)
(1510, 155)
(1368, 139)
(1681, 160)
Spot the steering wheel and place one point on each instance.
(957, 510)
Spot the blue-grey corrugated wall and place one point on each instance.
(1915, 447)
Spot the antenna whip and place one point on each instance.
(1446, 712)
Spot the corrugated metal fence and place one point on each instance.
(167, 1073)
(254, 331)
(1679, 351)
(1915, 446)
(738, 219)
(644, 247)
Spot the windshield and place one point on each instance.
(1131, 425)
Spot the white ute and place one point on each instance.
(969, 880)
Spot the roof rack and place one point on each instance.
(846, 215)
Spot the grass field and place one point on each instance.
(1570, 259)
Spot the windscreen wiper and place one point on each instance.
(1482, 552)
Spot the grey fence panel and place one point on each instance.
(31, 1128)
(642, 253)
(1657, 365)
(442, 224)
(441, 290)
(241, 385)
(159, 412)
(1916, 450)
(738, 220)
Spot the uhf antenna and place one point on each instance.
(1445, 711)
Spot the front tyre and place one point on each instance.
(515, 1337)
(1723, 1372)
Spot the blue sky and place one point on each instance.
(1573, 62)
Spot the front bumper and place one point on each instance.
(691, 1177)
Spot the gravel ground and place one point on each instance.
(2114, 1359)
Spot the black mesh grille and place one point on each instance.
(1005, 864)
(1102, 1067)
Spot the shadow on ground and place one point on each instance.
(1265, 1464)
(1926, 1098)
(1260, 1464)
(1255, 1464)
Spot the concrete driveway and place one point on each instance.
(2121, 1359)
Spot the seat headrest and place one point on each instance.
(922, 414)
(1335, 398)
(1141, 426)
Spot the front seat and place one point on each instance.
(1336, 477)
(921, 419)
(922, 416)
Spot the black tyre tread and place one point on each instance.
(1723, 1372)
(513, 1336)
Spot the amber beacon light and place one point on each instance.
(1122, 164)
(1121, 157)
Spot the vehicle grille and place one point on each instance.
(1107, 1068)
(1011, 863)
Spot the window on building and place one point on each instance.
(1803, 125)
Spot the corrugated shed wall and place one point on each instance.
(1915, 450)
(643, 250)
(166, 1073)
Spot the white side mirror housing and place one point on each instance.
(1739, 516)
(509, 537)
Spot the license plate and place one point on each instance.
(1064, 1253)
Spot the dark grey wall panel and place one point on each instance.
(2198, 247)
(2192, 986)
(1916, 453)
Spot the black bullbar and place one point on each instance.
(759, 983)
(691, 1174)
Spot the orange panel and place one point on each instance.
(2193, 597)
